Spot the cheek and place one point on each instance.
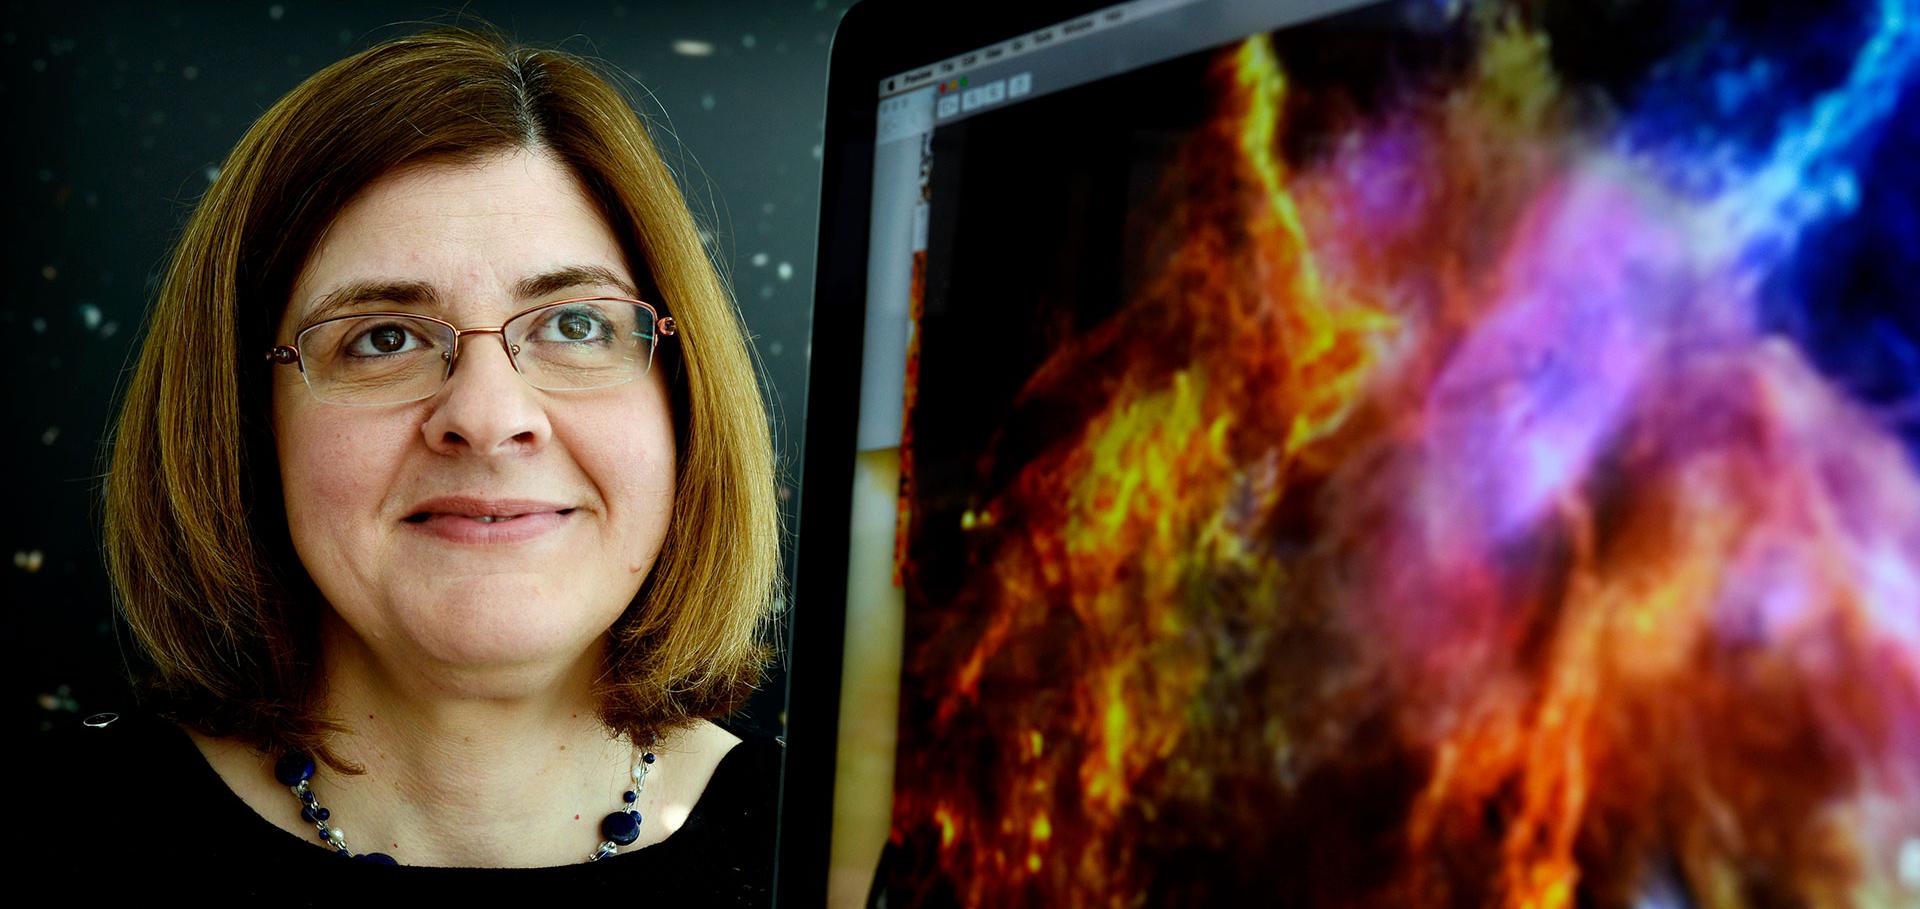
(333, 476)
(646, 480)
(632, 461)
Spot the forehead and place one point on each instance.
(472, 231)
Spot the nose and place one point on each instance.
(486, 408)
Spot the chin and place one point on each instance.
(495, 632)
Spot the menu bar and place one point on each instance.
(952, 68)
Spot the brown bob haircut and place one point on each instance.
(195, 530)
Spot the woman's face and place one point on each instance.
(381, 501)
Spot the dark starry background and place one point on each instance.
(120, 113)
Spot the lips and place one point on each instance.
(462, 519)
(483, 510)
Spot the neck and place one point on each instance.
(511, 770)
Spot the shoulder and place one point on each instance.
(715, 771)
(706, 738)
(719, 778)
(728, 841)
(755, 754)
(72, 747)
(79, 763)
(749, 766)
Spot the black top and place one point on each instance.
(132, 808)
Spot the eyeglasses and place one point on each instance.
(397, 358)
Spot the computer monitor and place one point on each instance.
(1409, 453)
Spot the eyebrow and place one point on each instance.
(355, 294)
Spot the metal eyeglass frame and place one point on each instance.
(283, 354)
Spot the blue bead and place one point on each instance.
(648, 758)
(306, 814)
(293, 768)
(631, 796)
(322, 813)
(309, 797)
(621, 827)
(376, 858)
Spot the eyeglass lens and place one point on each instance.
(387, 359)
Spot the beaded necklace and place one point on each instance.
(295, 771)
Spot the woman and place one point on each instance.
(441, 504)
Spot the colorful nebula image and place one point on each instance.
(1469, 455)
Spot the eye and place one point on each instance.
(384, 340)
(573, 326)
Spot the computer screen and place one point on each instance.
(1411, 453)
